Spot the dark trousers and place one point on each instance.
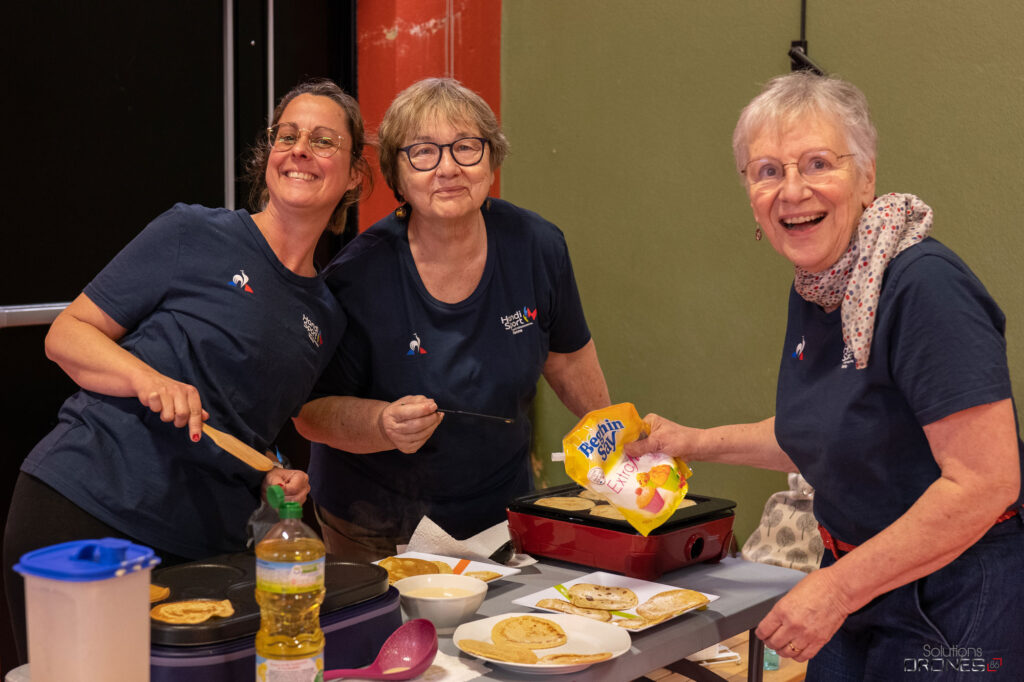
(957, 623)
(40, 517)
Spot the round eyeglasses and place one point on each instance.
(323, 142)
(815, 167)
(426, 156)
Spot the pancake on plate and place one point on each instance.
(565, 607)
(403, 567)
(670, 603)
(591, 596)
(532, 632)
(498, 652)
(635, 623)
(575, 659)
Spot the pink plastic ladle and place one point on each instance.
(405, 654)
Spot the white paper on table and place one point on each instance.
(430, 538)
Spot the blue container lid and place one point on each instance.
(85, 560)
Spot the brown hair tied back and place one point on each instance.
(256, 166)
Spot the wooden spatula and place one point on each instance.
(233, 446)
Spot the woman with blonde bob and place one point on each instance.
(893, 401)
(456, 301)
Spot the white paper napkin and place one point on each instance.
(430, 538)
(717, 653)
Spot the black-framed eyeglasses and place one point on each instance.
(426, 156)
(323, 142)
(815, 167)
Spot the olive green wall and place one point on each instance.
(620, 115)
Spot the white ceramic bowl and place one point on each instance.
(445, 612)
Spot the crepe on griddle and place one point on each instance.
(191, 611)
(565, 503)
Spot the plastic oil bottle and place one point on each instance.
(289, 589)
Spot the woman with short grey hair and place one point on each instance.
(893, 401)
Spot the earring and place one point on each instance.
(401, 212)
(758, 234)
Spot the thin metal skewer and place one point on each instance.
(506, 420)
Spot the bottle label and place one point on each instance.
(290, 670)
(286, 577)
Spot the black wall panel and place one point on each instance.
(113, 111)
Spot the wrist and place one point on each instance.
(382, 432)
(841, 586)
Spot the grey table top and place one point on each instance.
(746, 591)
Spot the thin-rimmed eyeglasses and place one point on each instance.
(323, 142)
(815, 167)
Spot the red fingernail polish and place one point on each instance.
(195, 438)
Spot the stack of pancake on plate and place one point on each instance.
(516, 638)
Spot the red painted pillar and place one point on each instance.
(403, 41)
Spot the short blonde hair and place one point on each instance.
(446, 98)
(795, 95)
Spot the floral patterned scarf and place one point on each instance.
(891, 223)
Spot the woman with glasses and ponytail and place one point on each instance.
(209, 316)
(456, 302)
(893, 401)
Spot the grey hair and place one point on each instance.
(788, 98)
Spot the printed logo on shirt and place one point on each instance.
(415, 347)
(313, 330)
(241, 280)
(519, 320)
(799, 352)
(848, 359)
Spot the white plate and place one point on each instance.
(585, 636)
(505, 571)
(644, 591)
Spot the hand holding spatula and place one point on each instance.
(233, 446)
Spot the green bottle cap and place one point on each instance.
(290, 510)
(275, 496)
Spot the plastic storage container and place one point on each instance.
(87, 610)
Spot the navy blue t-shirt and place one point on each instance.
(856, 435)
(484, 354)
(206, 302)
